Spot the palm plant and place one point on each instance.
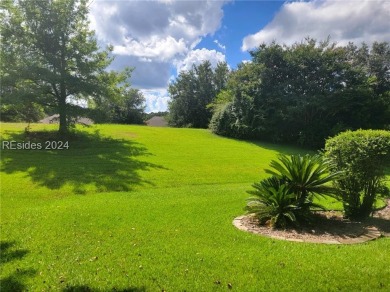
(287, 196)
(272, 202)
(306, 176)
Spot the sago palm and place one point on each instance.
(306, 175)
(272, 202)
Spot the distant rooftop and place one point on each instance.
(55, 118)
(157, 122)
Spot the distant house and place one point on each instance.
(157, 122)
(54, 119)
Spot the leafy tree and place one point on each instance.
(129, 111)
(374, 64)
(222, 119)
(234, 113)
(220, 78)
(51, 57)
(192, 92)
(21, 112)
(297, 84)
(362, 155)
(181, 113)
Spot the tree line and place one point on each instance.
(298, 94)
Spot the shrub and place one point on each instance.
(273, 202)
(228, 121)
(233, 119)
(287, 196)
(307, 176)
(362, 155)
(222, 120)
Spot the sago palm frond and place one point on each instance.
(305, 175)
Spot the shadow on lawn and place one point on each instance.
(286, 149)
(88, 289)
(106, 163)
(382, 224)
(14, 282)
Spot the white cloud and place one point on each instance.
(147, 73)
(222, 47)
(116, 20)
(152, 36)
(161, 49)
(196, 57)
(156, 99)
(343, 21)
(157, 30)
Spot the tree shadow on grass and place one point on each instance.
(91, 161)
(84, 288)
(8, 255)
(382, 224)
(14, 281)
(282, 148)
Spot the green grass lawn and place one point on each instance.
(133, 208)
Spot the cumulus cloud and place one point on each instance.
(156, 99)
(196, 57)
(343, 21)
(146, 74)
(157, 30)
(113, 21)
(160, 49)
(153, 35)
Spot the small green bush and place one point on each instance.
(363, 156)
(287, 196)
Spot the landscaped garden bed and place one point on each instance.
(330, 228)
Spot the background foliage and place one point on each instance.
(307, 92)
(193, 91)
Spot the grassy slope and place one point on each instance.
(151, 208)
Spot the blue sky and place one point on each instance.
(159, 38)
(240, 19)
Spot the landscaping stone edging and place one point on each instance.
(370, 233)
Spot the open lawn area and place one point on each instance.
(136, 208)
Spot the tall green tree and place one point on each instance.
(193, 91)
(49, 55)
(234, 111)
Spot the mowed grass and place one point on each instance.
(133, 208)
